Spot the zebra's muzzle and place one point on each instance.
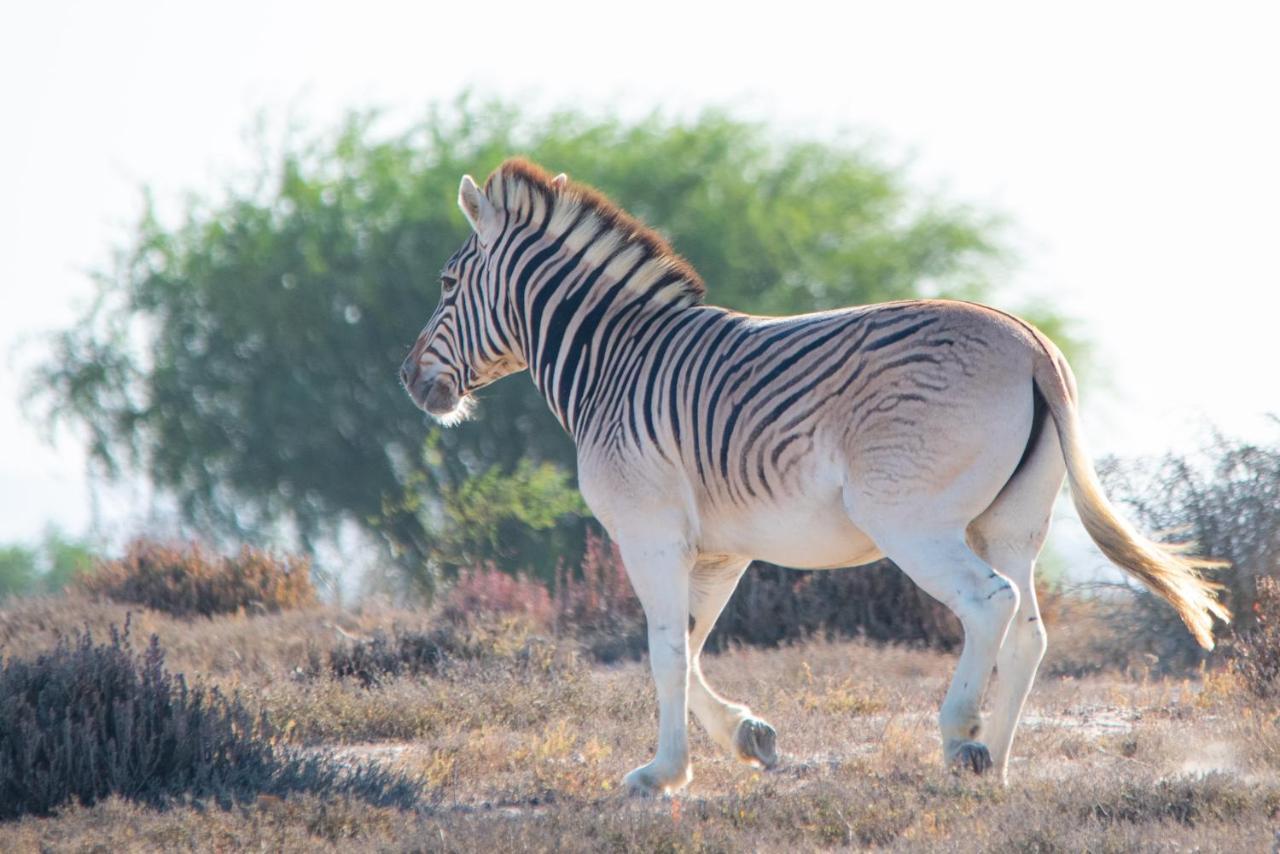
(441, 396)
(430, 389)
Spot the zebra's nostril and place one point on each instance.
(406, 371)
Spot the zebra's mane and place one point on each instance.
(524, 188)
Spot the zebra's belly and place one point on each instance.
(804, 536)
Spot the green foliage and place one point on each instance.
(509, 520)
(65, 560)
(188, 581)
(245, 359)
(18, 571)
(47, 567)
(529, 520)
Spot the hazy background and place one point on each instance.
(1132, 149)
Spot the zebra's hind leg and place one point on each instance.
(985, 601)
(659, 571)
(731, 725)
(1019, 657)
(1009, 535)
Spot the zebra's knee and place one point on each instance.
(990, 608)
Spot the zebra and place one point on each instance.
(937, 433)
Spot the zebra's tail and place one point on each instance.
(1166, 569)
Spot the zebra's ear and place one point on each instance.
(559, 181)
(478, 210)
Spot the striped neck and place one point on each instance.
(584, 314)
(586, 283)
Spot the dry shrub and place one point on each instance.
(85, 721)
(1083, 638)
(186, 580)
(380, 657)
(1256, 651)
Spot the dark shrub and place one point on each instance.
(189, 581)
(1216, 797)
(773, 605)
(508, 643)
(85, 721)
(381, 657)
(1226, 501)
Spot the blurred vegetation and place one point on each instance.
(244, 360)
(187, 580)
(46, 567)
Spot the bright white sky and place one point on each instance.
(1135, 147)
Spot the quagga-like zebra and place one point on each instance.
(707, 438)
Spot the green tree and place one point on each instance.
(245, 359)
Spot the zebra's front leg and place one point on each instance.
(659, 572)
(731, 725)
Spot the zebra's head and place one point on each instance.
(472, 339)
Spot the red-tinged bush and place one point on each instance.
(486, 591)
(599, 595)
(1256, 651)
(597, 605)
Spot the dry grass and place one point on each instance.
(520, 751)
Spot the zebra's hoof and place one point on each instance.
(972, 756)
(651, 779)
(757, 743)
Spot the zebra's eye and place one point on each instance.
(448, 284)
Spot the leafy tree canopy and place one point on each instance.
(245, 360)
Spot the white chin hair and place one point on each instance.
(458, 414)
